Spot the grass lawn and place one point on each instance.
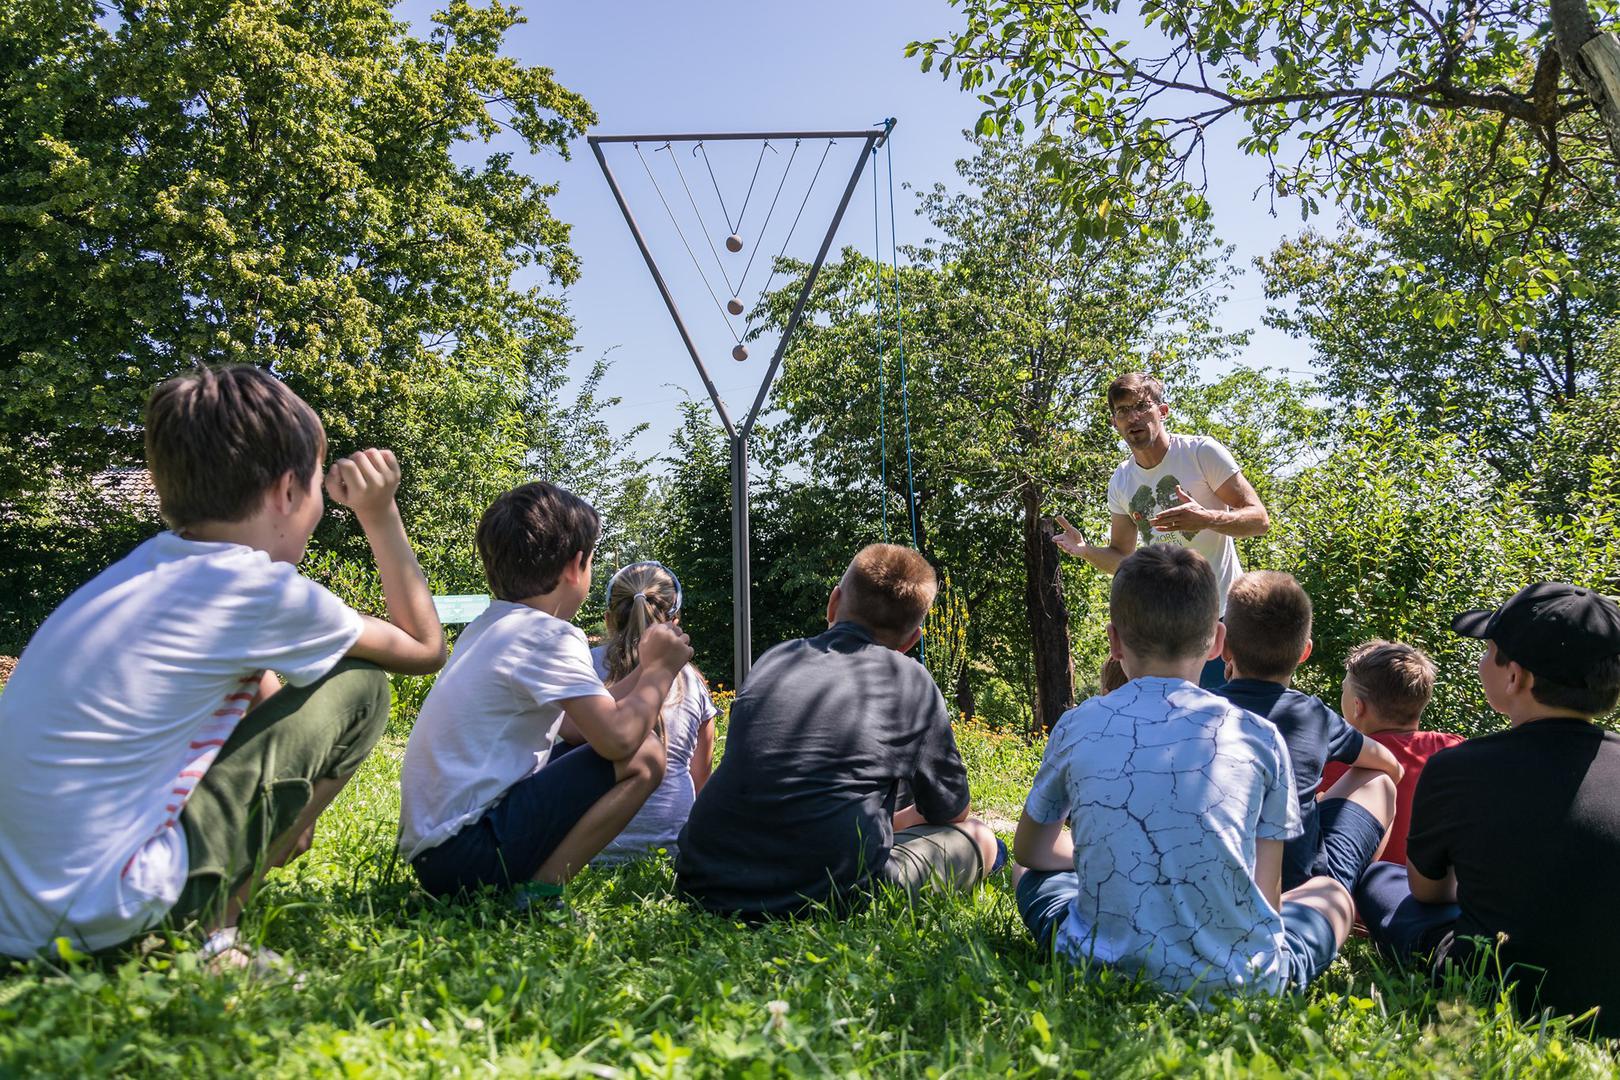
(636, 984)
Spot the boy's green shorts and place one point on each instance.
(265, 773)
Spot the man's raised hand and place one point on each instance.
(1069, 539)
(1188, 516)
(364, 482)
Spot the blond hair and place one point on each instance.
(1397, 680)
(889, 589)
(637, 597)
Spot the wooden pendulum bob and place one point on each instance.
(735, 306)
(740, 353)
(733, 243)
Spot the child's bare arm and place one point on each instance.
(1268, 857)
(410, 641)
(702, 764)
(1430, 890)
(1042, 847)
(1376, 756)
(616, 727)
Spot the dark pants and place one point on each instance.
(1403, 927)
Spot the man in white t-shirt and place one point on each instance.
(1178, 489)
(153, 766)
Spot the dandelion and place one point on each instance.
(778, 1010)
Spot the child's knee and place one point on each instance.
(984, 838)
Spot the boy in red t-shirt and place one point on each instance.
(1387, 685)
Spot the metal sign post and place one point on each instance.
(739, 434)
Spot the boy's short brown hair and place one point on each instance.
(1165, 603)
(1268, 623)
(218, 437)
(889, 589)
(1135, 384)
(528, 535)
(1396, 680)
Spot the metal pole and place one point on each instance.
(741, 570)
(725, 136)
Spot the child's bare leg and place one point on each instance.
(983, 837)
(1330, 900)
(1371, 790)
(638, 776)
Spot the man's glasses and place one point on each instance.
(1122, 412)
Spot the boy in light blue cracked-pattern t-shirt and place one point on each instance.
(1179, 803)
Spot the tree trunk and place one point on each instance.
(1592, 59)
(1048, 617)
(965, 704)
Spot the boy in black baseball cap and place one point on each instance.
(1516, 835)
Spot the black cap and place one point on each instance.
(1552, 630)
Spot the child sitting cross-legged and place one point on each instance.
(154, 766)
(1268, 635)
(1387, 685)
(640, 596)
(485, 798)
(823, 736)
(1178, 804)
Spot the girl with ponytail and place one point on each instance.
(638, 596)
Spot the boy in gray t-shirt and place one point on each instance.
(1179, 804)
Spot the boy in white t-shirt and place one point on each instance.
(484, 799)
(1179, 803)
(154, 766)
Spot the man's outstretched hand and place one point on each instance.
(1188, 516)
(364, 482)
(1069, 539)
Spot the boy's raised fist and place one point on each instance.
(365, 482)
(665, 644)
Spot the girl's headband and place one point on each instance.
(607, 594)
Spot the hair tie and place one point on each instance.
(640, 596)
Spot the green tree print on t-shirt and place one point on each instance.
(1150, 501)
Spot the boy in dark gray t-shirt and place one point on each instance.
(821, 740)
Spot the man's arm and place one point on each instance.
(615, 727)
(1245, 515)
(1268, 858)
(1042, 847)
(411, 640)
(1121, 542)
(1432, 890)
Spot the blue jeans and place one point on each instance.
(1309, 944)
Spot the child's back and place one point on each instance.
(818, 742)
(658, 823)
(1167, 787)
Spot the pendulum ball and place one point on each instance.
(735, 306)
(740, 353)
(734, 243)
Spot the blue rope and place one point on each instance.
(877, 292)
(900, 346)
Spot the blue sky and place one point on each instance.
(712, 66)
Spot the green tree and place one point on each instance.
(274, 182)
(1334, 97)
(1011, 331)
(1460, 368)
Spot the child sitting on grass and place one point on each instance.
(483, 798)
(1515, 838)
(153, 767)
(639, 596)
(1387, 686)
(1179, 803)
(822, 737)
(1268, 635)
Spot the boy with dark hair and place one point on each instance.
(154, 766)
(1387, 685)
(822, 737)
(1178, 803)
(487, 797)
(1268, 635)
(1515, 838)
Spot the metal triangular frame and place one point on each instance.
(738, 434)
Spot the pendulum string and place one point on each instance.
(774, 269)
(708, 234)
(768, 215)
(900, 349)
(696, 265)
